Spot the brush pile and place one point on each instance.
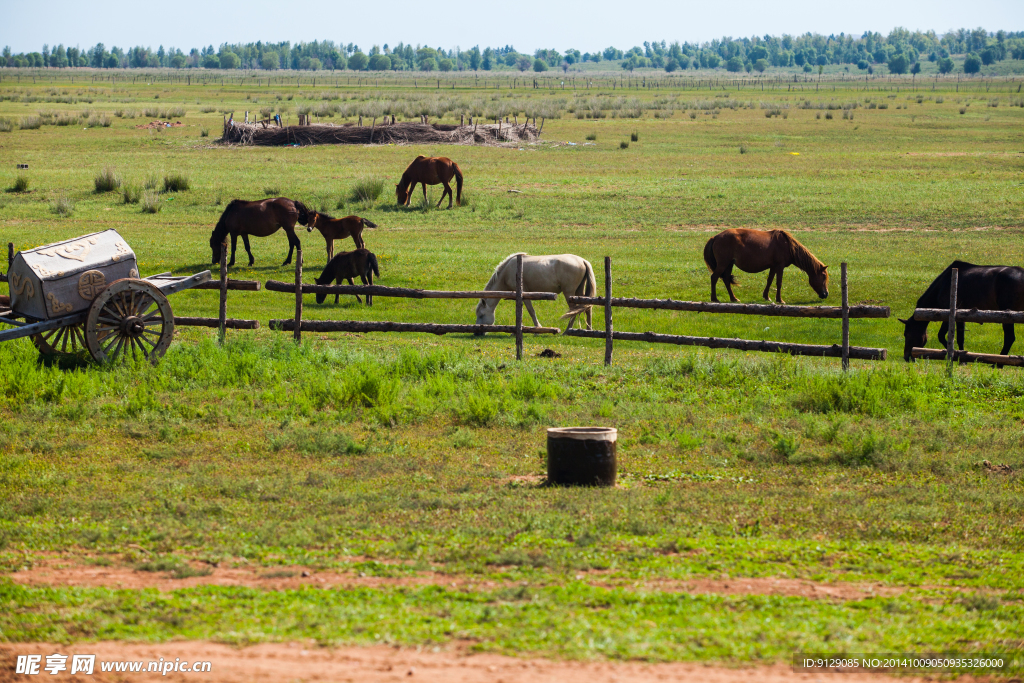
(406, 133)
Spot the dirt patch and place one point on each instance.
(305, 662)
(57, 573)
(162, 124)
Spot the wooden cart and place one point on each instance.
(85, 294)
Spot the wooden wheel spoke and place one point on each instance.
(118, 309)
(140, 301)
(108, 319)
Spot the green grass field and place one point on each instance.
(405, 456)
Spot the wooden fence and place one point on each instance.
(953, 315)
(297, 325)
(844, 312)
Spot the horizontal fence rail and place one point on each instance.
(967, 357)
(229, 323)
(833, 351)
(288, 325)
(968, 315)
(402, 292)
(742, 309)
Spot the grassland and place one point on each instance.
(417, 459)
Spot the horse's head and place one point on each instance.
(324, 279)
(401, 194)
(484, 314)
(313, 217)
(915, 334)
(818, 280)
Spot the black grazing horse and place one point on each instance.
(987, 288)
(260, 218)
(361, 263)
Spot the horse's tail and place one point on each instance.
(303, 212)
(589, 284)
(372, 260)
(368, 224)
(712, 262)
(458, 184)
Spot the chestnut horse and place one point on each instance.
(261, 218)
(987, 288)
(430, 171)
(338, 229)
(753, 251)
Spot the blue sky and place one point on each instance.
(586, 26)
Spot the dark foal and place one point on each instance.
(361, 263)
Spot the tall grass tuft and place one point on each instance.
(367, 190)
(62, 205)
(634, 136)
(152, 182)
(151, 202)
(623, 145)
(131, 194)
(30, 123)
(20, 184)
(592, 136)
(204, 132)
(175, 182)
(106, 181)
(6, 125)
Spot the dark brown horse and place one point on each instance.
(360, 263)
(987, 288)
(338, 229)
(261, 218)
(430, 171)
(753, 251)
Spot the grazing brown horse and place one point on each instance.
(338, 229)
(261, 218)
(430, 171)
(360, 263)
(753, 251)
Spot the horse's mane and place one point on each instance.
(501, 265)
(802, 258)
(326, 216)
(930, 298)
(222, 227)
(404, 182)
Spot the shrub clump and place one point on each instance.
(151, 202)
(106, 181)
(62, 205)
(176, 182)
(131, 194)
(367, 190)
(20, 184)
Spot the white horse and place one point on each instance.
(561, 273)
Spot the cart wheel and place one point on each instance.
(63, 341)
(129, 316)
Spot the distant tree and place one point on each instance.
(916, 69)
(474, 58)
(972, 64)
(672, 65)
(539, 65)
(523, 62)
(229, 60)
(898, 63)
(445, 64)
(427, 64)
(358, 61)
(807, 68)
(862, 64)
(712, 60)
(945, 65)
(989, 56)
(379, 62)
(734, 64)
(269, 61)
(178, 61)
(760, 65)
(757, 52)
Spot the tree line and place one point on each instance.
(901, 51)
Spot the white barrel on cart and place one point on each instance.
(60, 279)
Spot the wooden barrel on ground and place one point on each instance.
(582, 456)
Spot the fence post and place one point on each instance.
(608, 341)
(298, 295)
(10, 255)
(846, 320)
(519, 307)
(951, 333)
(223, 289)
